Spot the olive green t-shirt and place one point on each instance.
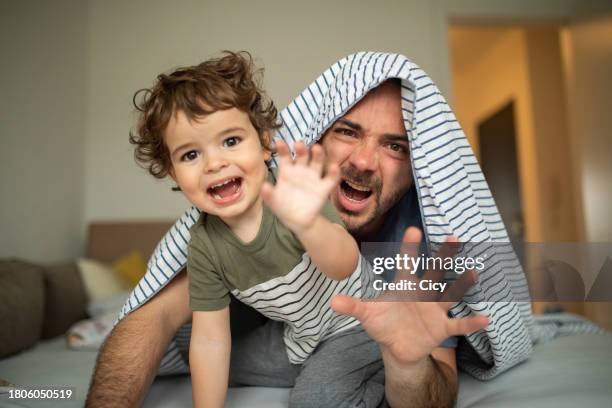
(219, 261)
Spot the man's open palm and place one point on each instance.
(411, 328)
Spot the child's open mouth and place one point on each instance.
(353, 197)
(226, 191)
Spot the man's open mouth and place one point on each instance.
(226, 190)
(353, 197)
(355, 192)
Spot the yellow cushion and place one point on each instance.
(131, 267)
(100, 280)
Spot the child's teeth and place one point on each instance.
(217, 196)
(224, 183)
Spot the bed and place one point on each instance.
(566, 372)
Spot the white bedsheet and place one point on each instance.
(571, 371)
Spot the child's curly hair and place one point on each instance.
(230, 81)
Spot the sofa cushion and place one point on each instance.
(65, 298)
(21, 305)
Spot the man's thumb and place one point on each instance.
(346, 305)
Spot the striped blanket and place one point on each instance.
(454, 200)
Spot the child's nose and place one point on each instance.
(214, 163)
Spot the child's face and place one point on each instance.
(218, 162)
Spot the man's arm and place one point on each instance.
(130, 356)
(430, 383)
(418, 373)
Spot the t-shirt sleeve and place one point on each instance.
(207, 291)
(329, 212)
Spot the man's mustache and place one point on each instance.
(364, 178)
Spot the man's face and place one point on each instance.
(369, 144)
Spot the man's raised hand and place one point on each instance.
(410, 328)
(302, 186)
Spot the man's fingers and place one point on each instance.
(456, 291)
(466, 325)
(448, 249)
(346, 305)
(409, 247)
(412, 235)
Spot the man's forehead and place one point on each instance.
(379, 110)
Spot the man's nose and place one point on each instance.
(365, 157)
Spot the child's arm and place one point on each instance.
(209, 357)
(297, 199)
(330, 247)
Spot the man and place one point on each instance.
(369, 143)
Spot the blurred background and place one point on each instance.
(529, 82)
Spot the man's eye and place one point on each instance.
(345, 132)
(231, 141)
(190, 155)
(396, 147)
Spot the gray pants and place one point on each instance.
(345, 370)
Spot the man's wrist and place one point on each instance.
(425, 382)
(404, 366)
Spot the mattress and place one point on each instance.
(566, 372)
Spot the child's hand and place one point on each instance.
(301, 190)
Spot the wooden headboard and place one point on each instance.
(107, 241)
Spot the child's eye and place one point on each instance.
(231, 141)
(190, 155)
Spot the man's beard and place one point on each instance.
(362, 228)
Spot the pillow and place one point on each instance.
(100, 280)
(65, 298)
(132, 267)
(21, 306)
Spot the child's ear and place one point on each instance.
(267, 154)
(173, 176)
(269, 148)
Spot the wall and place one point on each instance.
(482, 85)
(70, 68)
(588, 61)
(294, 41)
(561, 218)
(42, 125)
